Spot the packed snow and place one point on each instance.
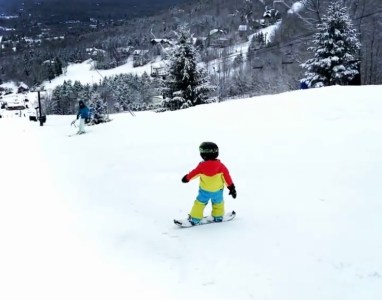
(91, 216)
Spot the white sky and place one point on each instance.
(90, 217)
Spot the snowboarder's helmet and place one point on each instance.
(209, 150)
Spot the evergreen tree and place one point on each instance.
(84, 95)
(122, 92)
(98, 108)
(146, 88)
(187, 83)
(66, 98)
(57, 67)
(238, 63)
(50, 73)
(335, 48)
(135, 96)
(53, 106)
(77, 89)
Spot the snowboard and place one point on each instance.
(185, 223)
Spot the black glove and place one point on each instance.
(184, 179)
(232, 191)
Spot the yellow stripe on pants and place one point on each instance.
(198, 209)
(218, 209)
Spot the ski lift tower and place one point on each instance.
(41, 118)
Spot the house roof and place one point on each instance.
(126, 49)
(201, 38)
(23, 85)
(158, 65)
(161, 41)
(243, 27)
(94, 50)
(140, 52)
(214, 31)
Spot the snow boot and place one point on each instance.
(193, 221)
(218, 219)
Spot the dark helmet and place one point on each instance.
(81, 103)
(209, 150)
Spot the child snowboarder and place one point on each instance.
(213, 176)
(83, 115)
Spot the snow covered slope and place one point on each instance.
(90, 217)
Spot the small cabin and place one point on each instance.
(243, 31)
(217, 39)
(22, 88)
(160, 45)
(163, 42)
(93, 52)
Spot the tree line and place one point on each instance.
(119, 93)
(264, 67)
(334, 60)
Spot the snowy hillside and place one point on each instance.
(86, 73)
(90, 217)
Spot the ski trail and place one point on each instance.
(42, 254)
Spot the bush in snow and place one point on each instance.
(335, 48)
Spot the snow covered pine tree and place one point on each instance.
(98, 109)
(187, 83)
(335, 48)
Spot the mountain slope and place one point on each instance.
(91, 216)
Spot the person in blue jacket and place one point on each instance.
(83, 115)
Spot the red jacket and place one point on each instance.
(213, 175)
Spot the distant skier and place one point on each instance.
(214, 175)
(83, 114)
